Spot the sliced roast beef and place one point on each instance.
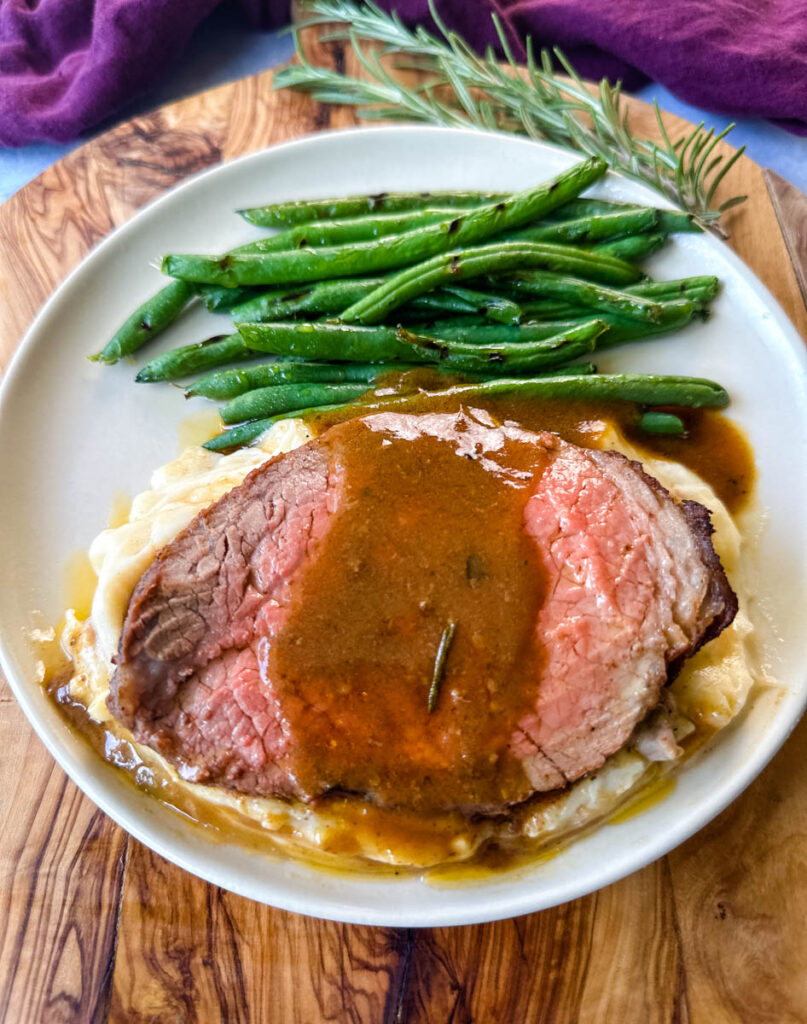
(285, 643)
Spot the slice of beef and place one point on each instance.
(188, 680)
(633, 587)
(637, 588)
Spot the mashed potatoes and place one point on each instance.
(710, 691)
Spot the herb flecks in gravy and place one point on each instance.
(353, 664)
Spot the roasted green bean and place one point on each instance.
(261, 402)
(669, 221)
(633, 248)
(303, 211)
(247, 432)
(467, 228)
(146, 322)
(662, 423)
(506, 358)
(327, 341)
(496, 258)
(618, 330)
(593, 228)
(219, 300)
(577, 292)
(224, 384)
(343, 232)
(330, 342)
(695, 289)
(190, 359)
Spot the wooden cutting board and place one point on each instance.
(95, 927)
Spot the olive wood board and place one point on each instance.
(95, 927)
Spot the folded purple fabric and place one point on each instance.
(65, 65)
(736, 57)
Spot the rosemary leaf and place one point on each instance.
(466, 89)
(440, 664)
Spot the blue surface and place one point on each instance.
(767, 144)
(223, 49)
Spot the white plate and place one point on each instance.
(72, 434)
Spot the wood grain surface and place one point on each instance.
(95, 927)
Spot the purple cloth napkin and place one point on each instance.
(65, 65)
(736, 57)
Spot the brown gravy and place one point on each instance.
(428, 531)
(713, 447)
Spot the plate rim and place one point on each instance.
(503, 907)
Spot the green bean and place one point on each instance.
(577, 292)
(303, 211)
(507, 358)
(326, 297)
(342, 232)
(189, 359)
(361, 229)
(146, 322)
(244, 433)
(668, 220)
(645, 389)
(442, 301)
(662, 423)
(223, 384)
(633, 248)
(703, 288)
(587, 207)
(335, 296)
(618, 329)
(696, 289)
(433, 326)
(328, 341)
(490, 334)
(262, 402)
(495, 307)
(593, 228)
(497, 258)
(672, 221)
(219, 300)
(467, 228)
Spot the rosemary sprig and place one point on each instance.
(440, 664)
(464, 89)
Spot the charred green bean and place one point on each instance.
(342, 232)
(224, 384)
(467, 228)
(328, 341)
(496, 258)
(633, 248)
(593, 228)
(190, 359)
(303, 211)
(146, 322)
(261, 402)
